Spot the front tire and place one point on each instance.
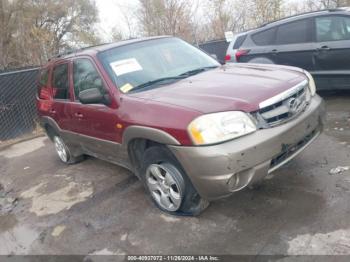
(168, 185)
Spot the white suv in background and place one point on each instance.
(234, 46)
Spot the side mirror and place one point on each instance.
(91, 96)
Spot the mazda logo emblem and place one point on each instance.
(294, 105)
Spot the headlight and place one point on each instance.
(219, 127)
(312, 85)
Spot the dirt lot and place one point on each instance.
(98, 208)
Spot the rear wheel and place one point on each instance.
(168, 185)
(261, 60)
(63, 151)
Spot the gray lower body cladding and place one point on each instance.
(219, 170)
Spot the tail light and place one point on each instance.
(44, 92)
(227, 58)
(240, 53)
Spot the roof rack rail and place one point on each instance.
(310, 12)
(343, 8)
(62, 54)
(74, 51)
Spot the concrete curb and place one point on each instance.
(3, 147)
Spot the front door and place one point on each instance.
(332, 51)
(95, 124)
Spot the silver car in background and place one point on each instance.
(233, 48)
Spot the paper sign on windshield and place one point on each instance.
(125, 66)
(126, 88)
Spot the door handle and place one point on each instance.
(323, 48)
(79, 115)
(53, 111)
(274, 51)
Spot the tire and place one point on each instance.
(63, 151)
(168, 185)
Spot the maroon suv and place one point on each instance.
(190, 129)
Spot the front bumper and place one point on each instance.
(219, 170)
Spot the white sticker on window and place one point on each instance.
(126, 88)
(125, 66)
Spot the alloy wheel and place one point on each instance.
(164, 189)
(61, 148)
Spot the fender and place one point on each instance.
(46, 120)
(149, 133)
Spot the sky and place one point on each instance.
(110, 13)
(111, 16)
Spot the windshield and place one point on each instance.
(153, 62)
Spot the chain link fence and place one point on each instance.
(17, 103)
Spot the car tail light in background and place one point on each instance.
(241, 52)
(227, 58)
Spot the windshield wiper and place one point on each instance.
(166, 80)
(197, 71)
(157, 81)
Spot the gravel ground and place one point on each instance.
(95, 207)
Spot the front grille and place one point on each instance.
(289, 150)
(283, 107)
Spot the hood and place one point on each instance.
(239, 87)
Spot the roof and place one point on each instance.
(103, 47)
(126, 42)
(306, 15)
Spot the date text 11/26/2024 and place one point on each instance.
(205, 258)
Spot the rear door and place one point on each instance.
(332, 54)
(294, 44)
(60, 107)
(261, 49)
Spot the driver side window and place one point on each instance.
(85, 76)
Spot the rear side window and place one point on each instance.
(239, 41)
(43, 91)
(85, 76)
(294, 32)
(266, 37)
(347, 23)
(44, 77)
(60, 82)
(332, 28)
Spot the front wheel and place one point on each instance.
(168, 185)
